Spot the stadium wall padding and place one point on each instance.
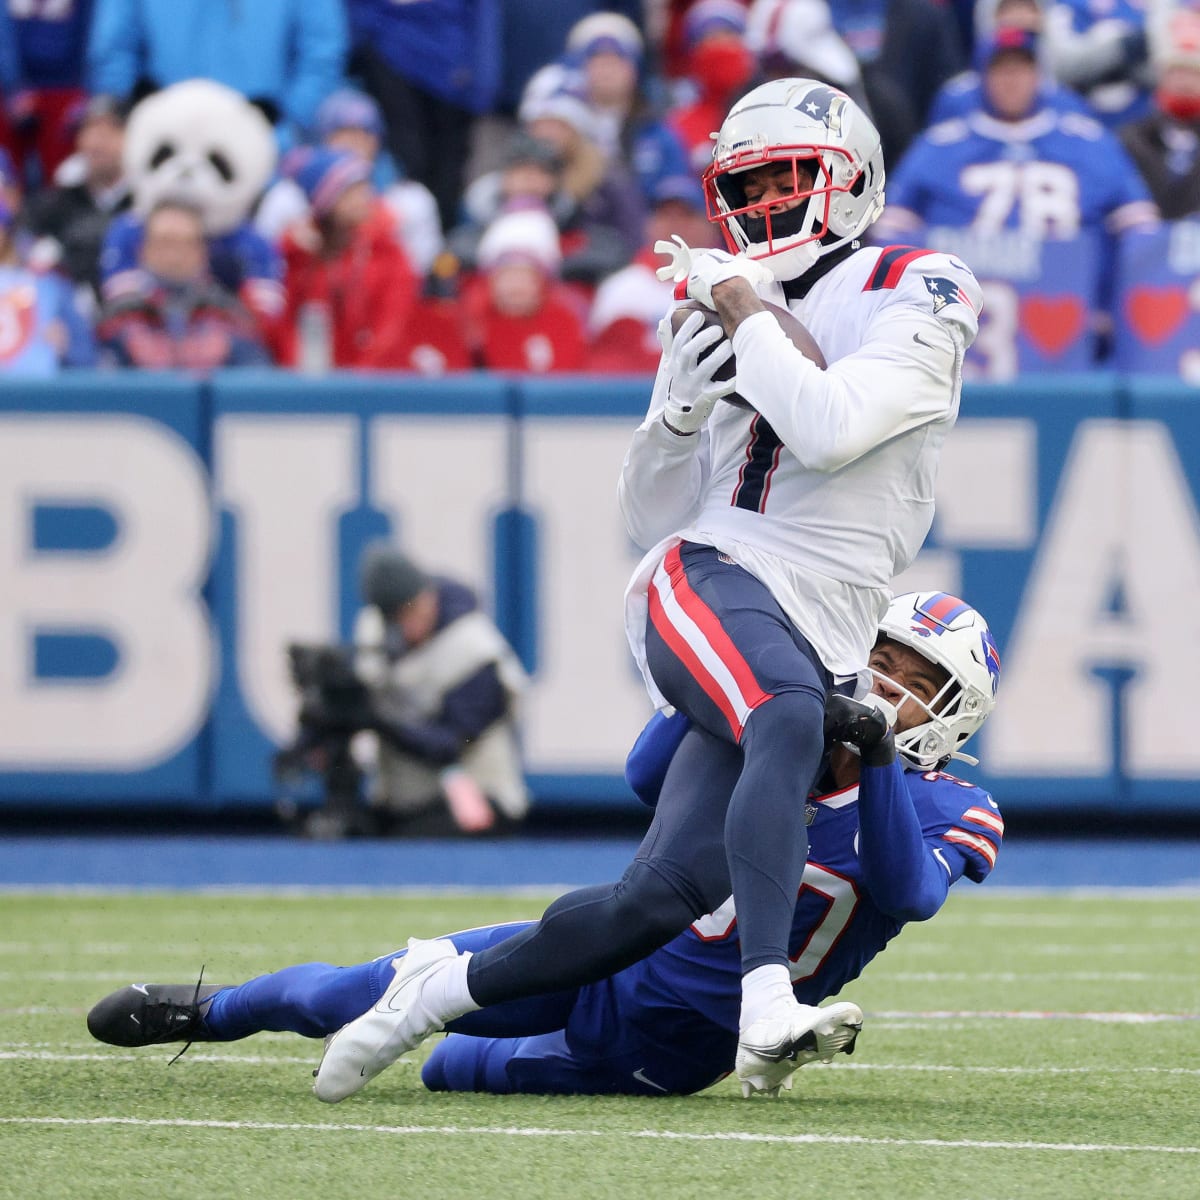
(162, 539)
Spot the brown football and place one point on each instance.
(797, 334)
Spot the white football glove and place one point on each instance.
(692, 390)
(680, 254)
(711, 267)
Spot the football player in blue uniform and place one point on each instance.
(889, 833)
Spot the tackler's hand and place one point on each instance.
(866, 726)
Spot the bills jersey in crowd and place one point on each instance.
(242, 261)
(37, 312)
(837, 927)
(1050, 176)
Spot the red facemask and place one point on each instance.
(721, 68)
(1181, 107)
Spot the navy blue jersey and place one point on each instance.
(1050, 176)
(839, 926)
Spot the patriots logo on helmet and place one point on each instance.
(991, 658)
(945, 291)
(824, 104)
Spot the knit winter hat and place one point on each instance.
(348, 108)
(604, 31)
(564, 105)
(388, 579)
(325, 175)
(713, 16)
(684, 188)
(1007, 39)
(524, 235)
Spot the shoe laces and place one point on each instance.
(194, 1011)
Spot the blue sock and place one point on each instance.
(317, 999)
(312, 999)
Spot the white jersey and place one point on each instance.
(826, 491)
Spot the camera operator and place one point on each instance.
(435, 725)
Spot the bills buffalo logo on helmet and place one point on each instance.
(991, 658)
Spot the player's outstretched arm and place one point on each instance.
(905, 877)
(666, 465)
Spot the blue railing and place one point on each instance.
(162, 538)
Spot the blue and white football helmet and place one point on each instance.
(952, 635)
(796, 121)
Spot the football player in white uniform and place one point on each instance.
(775, 531)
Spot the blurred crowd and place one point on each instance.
(446, 185)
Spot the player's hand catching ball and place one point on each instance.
(694, 360)
(712, 267)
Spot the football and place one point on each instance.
(797, 334)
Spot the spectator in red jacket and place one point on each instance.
(522, 319)
(345, 268)
(720, 67)
(629, 304)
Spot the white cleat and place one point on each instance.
(771, 1050)
(396, 1024)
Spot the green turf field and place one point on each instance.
(971, 1077)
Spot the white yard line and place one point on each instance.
(879, 1018)
(1188, 890)
(236, 1060)
(899, 976)
(799, 1139)
(1105, 1018)
(19, 1052)
(1047, 976)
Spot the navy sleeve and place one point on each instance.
(475, 703)
(646, 766)
(466, 712)
(901, 871)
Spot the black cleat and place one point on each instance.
(149, 1014)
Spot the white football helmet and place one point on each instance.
(953, 636)
(796, 121)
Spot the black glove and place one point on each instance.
(863, 726)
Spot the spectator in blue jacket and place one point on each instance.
(284, 55)
(433, 67)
